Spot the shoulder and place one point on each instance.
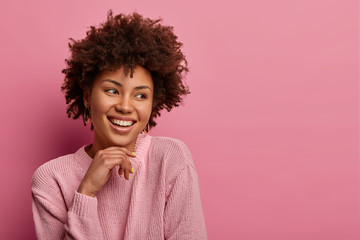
(172, 148)
(50, 175)
(173, 154)
(49, 171)
(169, 144)
(54, 164)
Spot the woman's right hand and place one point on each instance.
(99, 170)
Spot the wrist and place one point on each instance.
(83, 190)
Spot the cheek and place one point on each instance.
(145, 111)
(99, 106)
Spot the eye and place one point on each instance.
(141, 96)
(112, 91)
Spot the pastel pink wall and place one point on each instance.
(272, 120)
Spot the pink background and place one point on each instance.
(272, 121)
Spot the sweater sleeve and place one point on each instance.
(52, 218)
(183, 215)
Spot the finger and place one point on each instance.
(111, 161)
(128, 153)
(121, 149)
(126, 174)
(129, 167)
(114, 153)
(124, 164)
(121, 171)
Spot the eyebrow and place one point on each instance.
(120, 85)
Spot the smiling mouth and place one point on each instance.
(121, 123)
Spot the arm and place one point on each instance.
(53, 217)
(54, 221)
(183, 216)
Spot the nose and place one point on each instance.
(124, 105)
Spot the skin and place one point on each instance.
(114, 94)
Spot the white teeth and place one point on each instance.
(122, 123)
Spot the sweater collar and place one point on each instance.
(141, 148)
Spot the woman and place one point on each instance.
(126, 184)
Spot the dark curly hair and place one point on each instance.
(128, 41)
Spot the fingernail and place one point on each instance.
(134, 154)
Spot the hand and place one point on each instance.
(99, 170)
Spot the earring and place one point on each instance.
(86, 116)
(147, 128)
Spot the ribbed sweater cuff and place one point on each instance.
(84, 205)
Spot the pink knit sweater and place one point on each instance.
(160, 201)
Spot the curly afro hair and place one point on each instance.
(128, 41)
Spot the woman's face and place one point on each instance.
(120, 107)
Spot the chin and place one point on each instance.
(125, 140)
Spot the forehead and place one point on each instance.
(141, 76)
